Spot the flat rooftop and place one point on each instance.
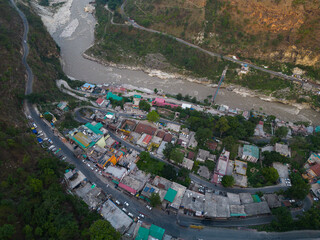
(193, 201)
(234, 198)
(216, 206)
(257, 208)
(180, 192)
(117, 218)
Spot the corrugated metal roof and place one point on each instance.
(250, 150)
(143, 234)
(82, 139)
(125, 187)
(170, 195)
(156, 232)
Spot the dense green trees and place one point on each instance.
(222, 125)
(281, 132)
(270, 174)
(102, 230)
(227, 181)
(273, 156)
(153, 116)
(202, 135)
(299, 189)
(176, 155)
(144, 105)
(155, 199)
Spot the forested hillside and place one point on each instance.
(33, 203)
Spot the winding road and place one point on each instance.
(278, 74)
(156, 216)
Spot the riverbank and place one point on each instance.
(78, 67)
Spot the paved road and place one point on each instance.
(156, 216)
(278, 74)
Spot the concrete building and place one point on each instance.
(202, 155)
(245, 198)
(178, 198)
(204, 172)
(272, 200)
(240, 167)
(187, 163)
(216, 206)
(173, 127)
(91, 195)
(149, 189)
(117, 218)
(136, 180)
(234, 199)
(193, 202)
(161, 148)
(237, 211)
(115, 172)
(257, 208)
(221, 167)
(240, 180)
(283, 149)
(75, 179)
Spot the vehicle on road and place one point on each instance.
(51, 147)
(149, 207)
(130, 214)
(125, 210)
(34, 125)
(117, 202)
(126, 204)
(141, 215)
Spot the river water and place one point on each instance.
(76, 66)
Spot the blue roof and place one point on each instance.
(146, 189)
(40, 140)
(88, 85)
(34, 131)
(250, 150)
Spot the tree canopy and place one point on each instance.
(299, 189)
(153, 116)
(102, 230)
(176, 155)
(155, 199)
(227, 181)
(222, 125)
(144, 105)
(281, 132)
(273, 156)
(270, 174)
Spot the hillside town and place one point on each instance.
(119, 133)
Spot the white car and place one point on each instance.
(148, 207)
(130, 214)
(34, 125)
(126, 204)
(117, 202)
(125, 210)
(141, 215)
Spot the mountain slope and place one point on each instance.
(271, 30)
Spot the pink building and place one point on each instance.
(221, 167)
(161, 103)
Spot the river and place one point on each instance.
(75, 66)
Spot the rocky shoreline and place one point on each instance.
(244, 92)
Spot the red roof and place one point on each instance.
(143, 128)
(191, 155)
(167, 137)
(160, 134)
(316, 169)
(127, 188)
(99, 101)
(260, 123)
(147, 139)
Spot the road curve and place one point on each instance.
(158, 217)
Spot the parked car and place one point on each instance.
(130, 215)
(125, 210)
(149, 207)
(141, 215)
(126, 204)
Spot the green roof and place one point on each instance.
(256, 198)
(95, 128)
(113, 96)
(143, 234)
(250, 150)
(170, 195)
(317, 129)
(156, 232)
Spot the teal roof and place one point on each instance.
(113, 96)
(137, 96)
(256, 198)
(170, 195)
(76, 140)
(156, 232)
(238, 214)
(250, 150)
(143, 234)
(95, 128)
(317, 129)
